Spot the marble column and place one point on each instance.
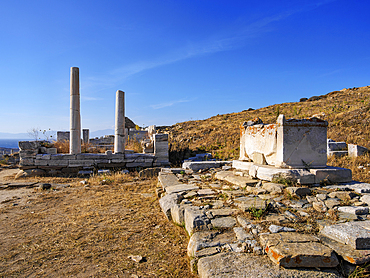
(119, 134)
(75, 119)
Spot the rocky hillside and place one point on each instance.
(347, 112)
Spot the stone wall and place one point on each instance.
(34, 156)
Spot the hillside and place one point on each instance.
(347, 111)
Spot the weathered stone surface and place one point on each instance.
(207, 252)
(207, 239)
(297, 250)
(223, 212)
(233, 265)
(167, 180)
(223, 222)
(195, 220)
(177, 213)
(333, 174)
(221, 175)
(298, 191)
(197, 165)
(205, 192)
(247, 203)
(241, 181)
(242, 235)
(278, 229)
(342, 195)
(354, 210)
(366, 199)
(167, 202)
(28, 145)
(244, 222)
(273, 187)
(337, 146)
(332, 202)
(354, 234)
(355, 150)
(346, 252)
(180, 188)
(319, 206)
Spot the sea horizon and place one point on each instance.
(11, 143)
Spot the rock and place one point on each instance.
(223, 212)
(223, 222)
(177, 213)
(232, 265)
(354, 210)
(291, 215)
(346, 252)
(241, 234)
(297, 250)
(180, 188)
(247, 203)
(355, 150)
(244, 222)
(205, 252)
(207, 239)
(166, 180)
(321, 196)
(332, 202)
(195, 220)
(354, 234)
(311, 199)
(298, 191)
(366, 199)
(241, 181)
(167, 202)
(205, 192)
(277, 229)
(274, 188)
(29, 173)
(342, 195)
(137, 258)
(319, 206)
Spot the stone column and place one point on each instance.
(119, 135)
(86, 136)
(75, 120)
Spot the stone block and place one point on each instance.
(27, 162)
(168, 180)
(80, 163)
(160, 137)
(180, 188)
(207, 239)
(259, 158)
(337, 146)
(354, 210)
(177, 213)
(333, 174)
(337, 153)
(349, 254)
(247, 203)
(139, 164)
(28, 145)
(39, 162)
(297, 250)
(44, 156)
(352, 234)
(241, 181)
(58, 162)
(90, 156)
(223, 222)
(221, 175)
(355, 150)
(167, 202)
(195, 220)
(298, 191)
(242, 165)
(51, 150)
(231, 264)
(28, 153)
(198, 165)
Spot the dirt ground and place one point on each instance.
(89, 231)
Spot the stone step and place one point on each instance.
(232, 265)
(291, 250)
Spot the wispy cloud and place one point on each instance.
(217, 43)
(169, 103)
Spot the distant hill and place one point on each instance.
(14, 135)
(347, 111)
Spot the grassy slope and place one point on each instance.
(347, 111)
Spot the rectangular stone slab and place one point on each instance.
(302, 254)
(346, 252)
(180, 188)
(352, 234)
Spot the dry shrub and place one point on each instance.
(135, 145)
(62, 146)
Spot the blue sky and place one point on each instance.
(176, 60)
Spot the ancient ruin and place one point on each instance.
(34, 155)
(293, 148)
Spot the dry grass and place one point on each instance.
(90, 232)
(348, 114)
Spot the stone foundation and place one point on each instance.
(34, 156)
